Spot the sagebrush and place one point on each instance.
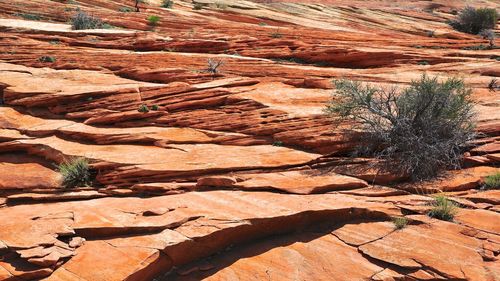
(417, 131)
(83, 20)
(473, 21)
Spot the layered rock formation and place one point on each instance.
(236, 175)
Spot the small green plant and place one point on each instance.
(430, 33)
(153, 20)
(125, 10)
(143, 108)
(443, 208)
(197, 6)
(75, 172)
(262, 23)
(423, 62)
(213, 66)
(400, 222)
(221, 5)
(276, 34)
(479, 47)
(489, 35)
(155, 107)
(167, 4)
(492, 181)
(54, 42)
(47, 59)
(278, 143)
(29, 17)
(107, 26)
(473, 21)
(83, 20)
(493, 85)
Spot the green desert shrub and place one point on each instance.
(83, 20)
(489, 35)
(143, 108)
(167, 4)
(492, 181)
(417, 132)
(75, 172)
(47, 59)
(30, 17)
(443, 208)
(125, 10)
(155, 107)
(400, 222)
(197, 6)
(153, 20)
(473, 21)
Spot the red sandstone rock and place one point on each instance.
(211, 132)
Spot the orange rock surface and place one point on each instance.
(239, 174)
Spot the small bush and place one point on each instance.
(423, 62)
(278, 143)
(197, 6)
(29, 17)
(82, 21)
(213, 66)
(400, 222)
(143, 108)
(276, 34)
(443, 209)
(125, 10)
(476, 48)
(167, 4)
(47, 59)
(155, 107)
(153, 20)
(418, 131)
(489, 35)
(493, 85)
(75, 172)
(473, 21)
(492, 181)
(221, 5)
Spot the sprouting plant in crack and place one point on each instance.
(443, 208)
(493, 85)
(75, 172)
(400, 222)
(213, 66)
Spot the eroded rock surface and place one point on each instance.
(238, 174)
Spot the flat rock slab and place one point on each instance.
(293, 257)
(42, 86)
(440, 247)
(299, 182)
(184, 227)
(20, 171)
(12, 24)
(175, 158)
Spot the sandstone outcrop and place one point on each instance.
(235, 174)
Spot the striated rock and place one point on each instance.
(293, 205)
(416, 247)
(299, 182)
(304, 256)
(33, 172)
